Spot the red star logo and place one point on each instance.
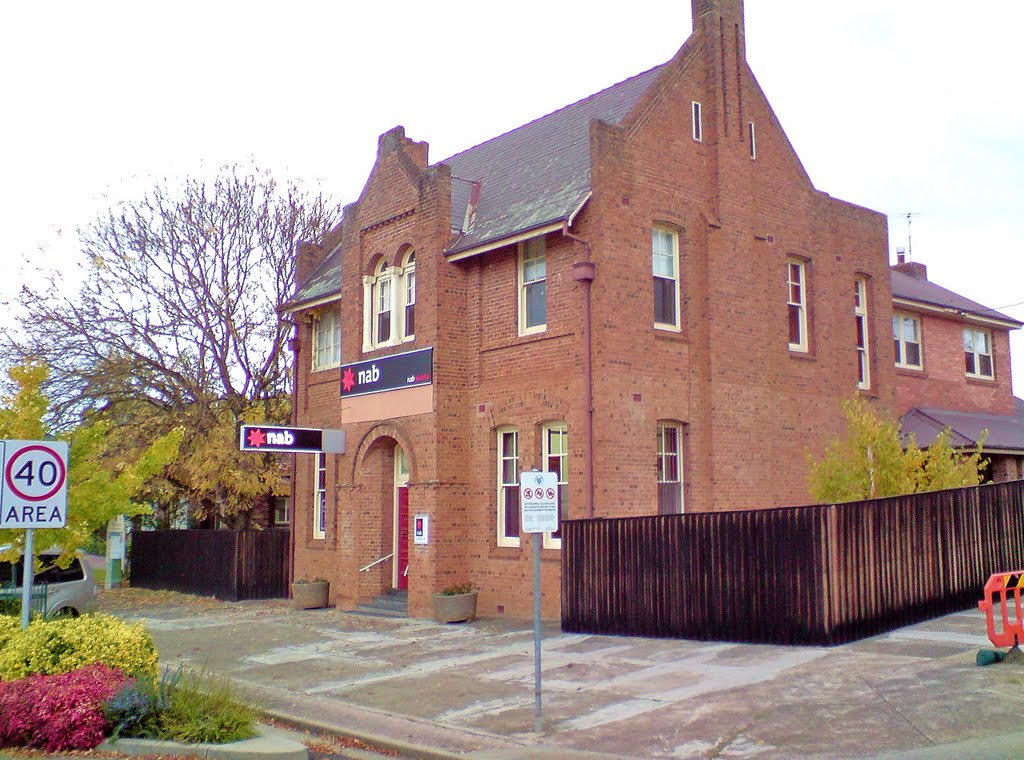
(348, 380)
(257, 438)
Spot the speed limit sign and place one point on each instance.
(33, 484)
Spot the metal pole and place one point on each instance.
(536, 539)
(26, 583)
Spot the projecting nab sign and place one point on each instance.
(290, 439)
(34, 486)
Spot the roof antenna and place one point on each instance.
(910, 246)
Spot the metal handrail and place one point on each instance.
(376, 562)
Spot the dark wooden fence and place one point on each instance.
(822, 574)
(228, 564)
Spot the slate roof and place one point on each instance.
(323, 283)
(913, 289)
(539, 173)
(530, 177)
(1005, 431)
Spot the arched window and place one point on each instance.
(409, 297)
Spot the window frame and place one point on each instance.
(862, 334)
(320, 330)
(551, 541)
(504, 484)
(696, 122)
(664, 455)
(407, 286)
(803, 344)
(673, 235)
(526, 248)
(900, 343)
(976, 356)
(319, 496)
(282, 506)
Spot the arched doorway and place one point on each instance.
(400, 571)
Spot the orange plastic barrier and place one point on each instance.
(1007, 586)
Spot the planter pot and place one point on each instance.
(455, 608)
(310, 596)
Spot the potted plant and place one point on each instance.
(455, 603)
(310, 593)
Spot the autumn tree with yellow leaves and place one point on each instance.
(871, 461)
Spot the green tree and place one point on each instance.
(98, 487)
(871, 461)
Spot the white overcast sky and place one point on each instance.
(897, 105)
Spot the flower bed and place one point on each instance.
(67, 684)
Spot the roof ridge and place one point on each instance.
(574, 104)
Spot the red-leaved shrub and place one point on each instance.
(57, 713)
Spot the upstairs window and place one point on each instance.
(409, 288)
(753, 140)
(906, 335)
(382, 307)
(508, 487)
(533, 294)
(665, 267)
(978, 353)
(555, 453)
(327, 340)
(698, 128)
(797, 304)
(860, 315)
(670, 470)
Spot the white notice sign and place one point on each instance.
(33, 484)
(538, 500)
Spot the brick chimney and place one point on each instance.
(915, 269)
(720, 24)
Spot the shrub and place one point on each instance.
(183, 706)
(62, 645)
(57, 713)
(9, 626)
(455, 589)
(205, 709)
(135, 710)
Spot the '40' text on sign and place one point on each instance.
(34, 484)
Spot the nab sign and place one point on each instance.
(291, 440)
(34, 484)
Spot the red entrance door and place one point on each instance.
(403, 537)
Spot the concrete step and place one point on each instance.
(394, 604)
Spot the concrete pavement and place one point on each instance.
(433, 690)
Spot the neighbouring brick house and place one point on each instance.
(642, 292)
(953, 370)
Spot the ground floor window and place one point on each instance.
(670, 468)
(320, 497)
(555, 453)
(281, 510)
(508, 487)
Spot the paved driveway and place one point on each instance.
(469, 688)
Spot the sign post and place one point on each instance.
(33, 494)
(538, 500)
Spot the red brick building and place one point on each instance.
(953, 370)
(643, 292)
